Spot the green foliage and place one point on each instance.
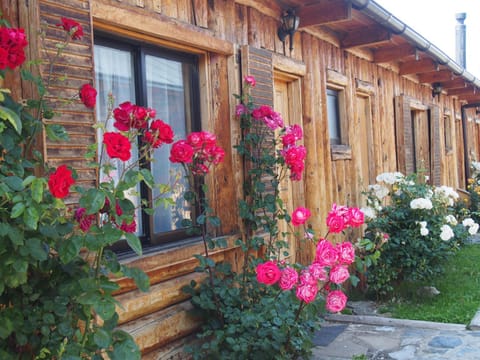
(243, 319)
(56, 279)
(413, 228)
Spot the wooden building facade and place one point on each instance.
(378, 72)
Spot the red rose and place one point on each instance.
(12, 42)
(181, 152)
(268, 273)
(123, 116)
(129, 228)
(118, 146)
(88, 95)
(84, 220)
(72, 27)
(159, 133)
(60, 181)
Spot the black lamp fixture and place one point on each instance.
(436, 89)
(288, 27)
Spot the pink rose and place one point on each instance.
(307, 292)
(346, 252)
(307, 278)
(288, 279)
(268, 273)
(288, 140)
(339, 274)
(335, 223)
(240, 109)
(336, 301)
(356, 217)
(300, 215)
(295, 130)
(250, 80)
(318, 272)
(326, 254)
(181, 152)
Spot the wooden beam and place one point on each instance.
(435, 76)
(467, 90)
(456, 83)
(156, 27)
(417, 66)
(472, 98)
(324, 13)
(366, 36)
(393, 53)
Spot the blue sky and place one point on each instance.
(435, 21)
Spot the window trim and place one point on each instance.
(140, 49)
(338, 82)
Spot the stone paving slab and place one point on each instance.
(396, 339)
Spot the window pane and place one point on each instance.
(168, 92)
(333, 116)
(114, 77)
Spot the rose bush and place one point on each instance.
(58, 273)
(269, 298)
(412, 227)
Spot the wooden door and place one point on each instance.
(363, 143)
(283, 106)
(421, 142)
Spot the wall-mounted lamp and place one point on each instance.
(436, 89)
(288, 27)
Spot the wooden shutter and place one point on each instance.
(404, 135)
(436, 161)
(258, 63)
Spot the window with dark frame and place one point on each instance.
(166, 81)
(333, 113)
(448, 133)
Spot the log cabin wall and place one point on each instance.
(374, 95)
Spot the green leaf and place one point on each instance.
(36, 249)
(102, 338)
(134, 243)
(37, 189)
(70, 248)
(14, 182)
(148, 178)
(105, 308)
(93, 201)
(6, 328)
(56, 132)
(12, 117)
(214, 221)
(124, 348)
(17, 210)
(31, 217)
(141, 279)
